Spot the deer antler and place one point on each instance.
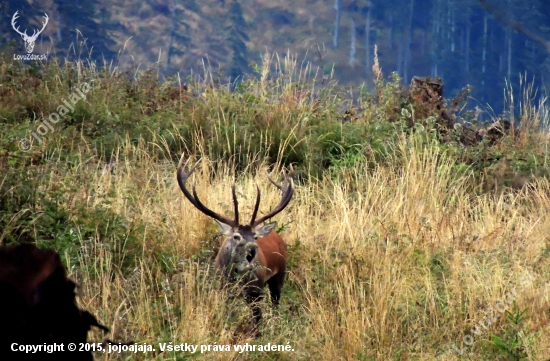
(34, 33)
(288, 190)
(43, 26)
(15, 17)
(182, 176)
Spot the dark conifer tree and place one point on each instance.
(180, 40)
(236, 38)
(84, 20)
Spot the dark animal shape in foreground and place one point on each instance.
(254, 254)
(38, 306)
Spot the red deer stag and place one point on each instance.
(254, 254)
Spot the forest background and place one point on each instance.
(483, 43)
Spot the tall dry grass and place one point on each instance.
(395, 263)
(392, 258)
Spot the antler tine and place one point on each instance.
(288, 191)
(235, 204)
(15, 17)
(279, 186)
(182, 177)
(182, 158)
(46, 22)
(292, 172)
(282, 187)
(256, 205)
(181, 166)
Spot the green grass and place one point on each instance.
(400, 236)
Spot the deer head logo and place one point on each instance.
(29, 40)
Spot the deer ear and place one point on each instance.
(265, 229)
(226, 229)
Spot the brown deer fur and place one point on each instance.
(252, 255)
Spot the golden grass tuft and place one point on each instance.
(394, 263)
(397, 261)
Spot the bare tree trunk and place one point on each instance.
(509, 63)
(409, 42)
(484, 52)
(352, 46)
(59, 25)
(500, 14)
(172, 34)
(423, 47)
(390, 35)
(436, 38)
(509, 57)
(462, 41)
(338, 7)
(447, 23)
(400, 58)
(367, 41)
(453, 27)
(435, 28)
(467, 50)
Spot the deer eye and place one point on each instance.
(236, 237)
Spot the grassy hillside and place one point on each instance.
(143, 31)
(402, 237)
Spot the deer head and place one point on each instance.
(29, 40)
(239, 252)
